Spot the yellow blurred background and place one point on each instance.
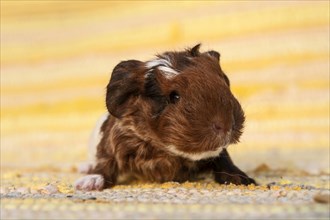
(57, 57)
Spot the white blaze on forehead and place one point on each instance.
(168, 70)
(163, 65)
(195, 156)
(158, 62)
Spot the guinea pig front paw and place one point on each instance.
(90, 182)
(247, 181)
(234, 178)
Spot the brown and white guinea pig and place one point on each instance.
(170, 119)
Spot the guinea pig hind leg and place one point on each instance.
(225, 171)
(103, 175)
(95, 138)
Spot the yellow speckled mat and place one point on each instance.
(51, 196)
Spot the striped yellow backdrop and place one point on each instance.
(57, 56)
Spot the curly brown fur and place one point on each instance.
(170, 119)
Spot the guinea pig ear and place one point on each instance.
(195, 50)
(214, 54)
(123, 84)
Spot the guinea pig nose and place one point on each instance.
(218, 127)
(221, 127)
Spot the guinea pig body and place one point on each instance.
(171, 119)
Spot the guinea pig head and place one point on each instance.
(181, 101)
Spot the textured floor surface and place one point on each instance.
(56, 59)
(280, 195)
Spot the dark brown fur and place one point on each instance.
(146, 118)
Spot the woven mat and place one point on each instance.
(51, 196)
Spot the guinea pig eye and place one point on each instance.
(174, 97)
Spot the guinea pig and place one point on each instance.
(170, 119)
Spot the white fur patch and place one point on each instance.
(95, 137)
(169, 72)
(163, 65)
(90, 182)
(86, 167)
(94, 140)
(197, 156)
(158, 62)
